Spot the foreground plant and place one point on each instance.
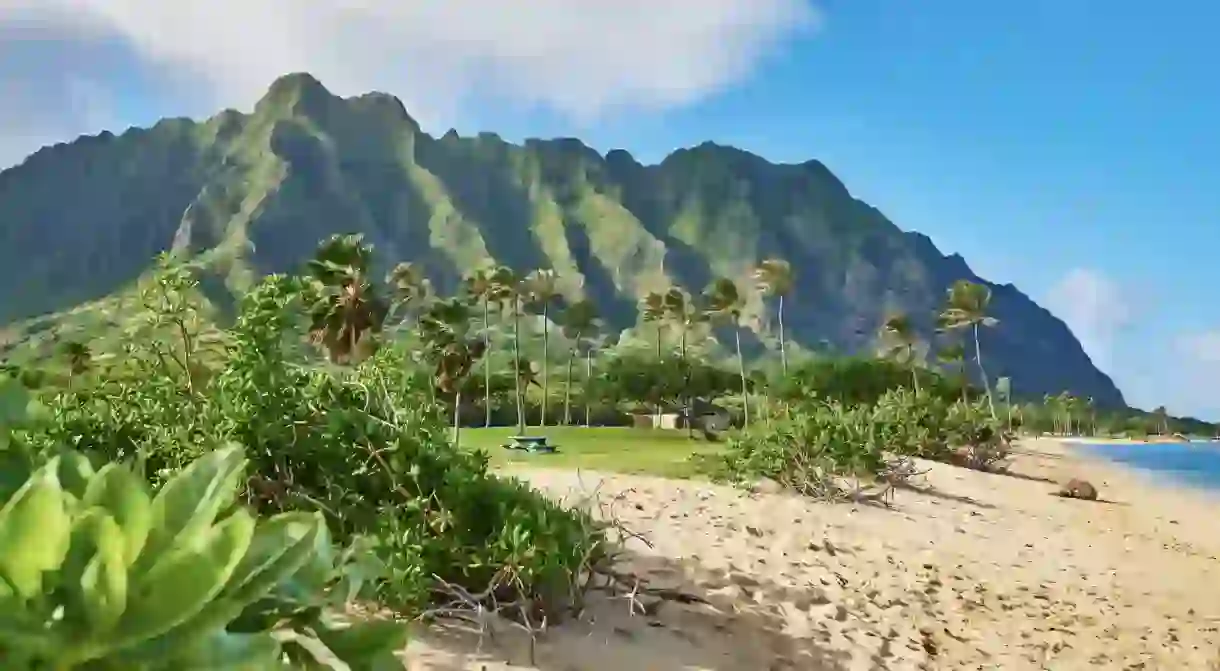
(98, 573)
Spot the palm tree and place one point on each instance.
(541, 290)
(653, 311)
(579, 321)
(681, 310)
(725, 304)
(347, 308)
(409, 289)
(899, 339)
(953, 356)
(480, 286)
(507, 290)
(444, 329)
(773, 278)
(966, 307)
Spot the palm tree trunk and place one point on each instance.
(517, 367)
(656, 418)
(690, 413)
(546, 396)
(588, 385)
(457, 419)
(978, 358)
(745, 388)
(914, 375)
(783, 343)
(567, 387)
(486, 363)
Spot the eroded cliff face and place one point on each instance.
(253, 193)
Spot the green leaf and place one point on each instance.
(181, 584)
(280, 547)
(75, 471)
(367, 646)
(224, 651)
(117, 490)
(190, 502)
(103, 584)
(35, 530)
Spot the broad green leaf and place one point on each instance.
(116, 489)
(278, 549)
(75, 471)
(190, 502)
(281, 545)
(181, 584)
(103, 583)
(224, 651)
(367, 646)
(35, 529)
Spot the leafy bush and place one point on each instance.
(817, 444)
(363, 444)
(823, 442)
(99, 574)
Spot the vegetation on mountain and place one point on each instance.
(241, 195)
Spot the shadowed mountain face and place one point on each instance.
(253, 193)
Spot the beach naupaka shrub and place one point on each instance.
(362, 444)
(814, 444)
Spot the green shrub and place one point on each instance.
(364, 445)
(99, 574)
(816, 444)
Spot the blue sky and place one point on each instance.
(1067, 147)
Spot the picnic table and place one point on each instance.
(531, 444)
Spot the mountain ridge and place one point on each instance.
(253, 192)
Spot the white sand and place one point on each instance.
(987, 572)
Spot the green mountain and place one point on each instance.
(253, 193)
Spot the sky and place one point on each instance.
(1068, 147)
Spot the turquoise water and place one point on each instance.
(1195, 464)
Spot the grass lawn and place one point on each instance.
(662, 452)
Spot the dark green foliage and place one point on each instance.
(364, 445)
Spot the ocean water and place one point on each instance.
(1193, 464)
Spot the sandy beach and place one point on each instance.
(977, 571)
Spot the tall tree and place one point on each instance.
(681, 310)
(445, 331)
(579, 322)
(481, 287)
(725, 305)
(347, 309)
(508, 291)
(653, 311)
(966, 308)
(409, 289)
(541, 290)
(898, 340)
(773, 278)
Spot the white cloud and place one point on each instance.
(1095, 308)
(580, 58)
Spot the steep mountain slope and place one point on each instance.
(253, 193)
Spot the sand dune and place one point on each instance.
(977, 572)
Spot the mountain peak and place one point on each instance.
(295, 90)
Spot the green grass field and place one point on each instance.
(618, 449)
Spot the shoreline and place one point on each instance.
(970, 570)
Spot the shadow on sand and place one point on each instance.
(659, 614)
